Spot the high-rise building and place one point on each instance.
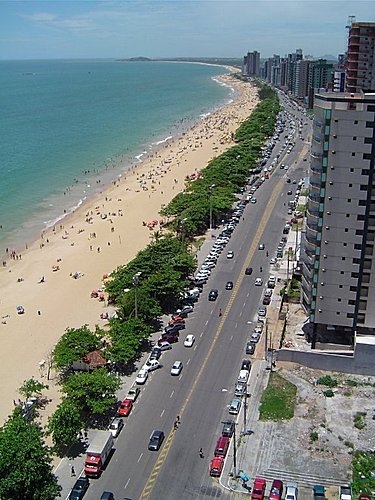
(360, 63)
(251, 65)
(337, 252)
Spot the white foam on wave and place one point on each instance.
(52, 222)
(162, 141)
(139, 157)
(204, 115)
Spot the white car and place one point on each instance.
(230, 254)
(291, 491)
(116, 425)
(141, 377)
(258, 282)
(176, 368)
(189, 341)
(151, 364)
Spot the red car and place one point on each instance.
(216, 466)
(259, 489)
(125, 408)
(276, 490)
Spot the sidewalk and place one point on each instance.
(249, 439)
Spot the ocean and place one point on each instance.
(69, 128)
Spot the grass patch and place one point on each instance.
(363, 470)
(314, 436)
(359, 420)
(327, 380)
(278, 399)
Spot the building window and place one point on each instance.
(346, 230)
(355, 122)
(340, 286)
(365, 171)
(345, 244)
(354, 138)
(352, 169)
(343, 258)
(353, 154)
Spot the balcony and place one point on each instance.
(312, 221)
(311, 235)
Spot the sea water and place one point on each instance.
(67, 129)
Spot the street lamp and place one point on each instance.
(234, 447)
(135, 282)
(211, 188)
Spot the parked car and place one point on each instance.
(222, 446)
(291, 491)
(141, 377)
(255, 336)
(246, 364)
(240, 389)
(79, 488)
(189, 341)
(266, 301)
(262, 311)
(151, 365)
(249, 270)
(228, 428)
(259, 488)
(164, 346)
(258, 282)
(174, 328)
(167, 338)
(213, 294)
(133, 393)
(319, 492)
(250, 347)
(276, 490)
(116, 425)
(155, 353)
(156, 440)
(176, 368)
(235, 406)
(125, 407)
(216, 466)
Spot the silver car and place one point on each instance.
(116, 426)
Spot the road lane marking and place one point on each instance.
(172, 394)
(253, 248)
(127, 483)
(162, 413)
(140, 457)
(188, 361)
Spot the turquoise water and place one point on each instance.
(66, 124)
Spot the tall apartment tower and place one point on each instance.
(360, 64)
(338, 254)
(252, 64)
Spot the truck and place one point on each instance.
(345, 493)
(97, 453)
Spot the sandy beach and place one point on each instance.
(53, 278)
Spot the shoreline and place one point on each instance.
(103, 233)
(58, 206)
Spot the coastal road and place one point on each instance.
(203, 391)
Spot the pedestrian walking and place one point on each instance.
(72, 471)
(220, 313)
(178, 418)
(201, 453)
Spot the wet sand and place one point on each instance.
(102, 234)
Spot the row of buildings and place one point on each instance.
(338, 242)
(302, 77)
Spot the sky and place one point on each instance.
(175, 28)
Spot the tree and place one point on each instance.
(92, 392)
(65, 424)
(126, 339)
(32, 387)
(25, 461)
(73, 345)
